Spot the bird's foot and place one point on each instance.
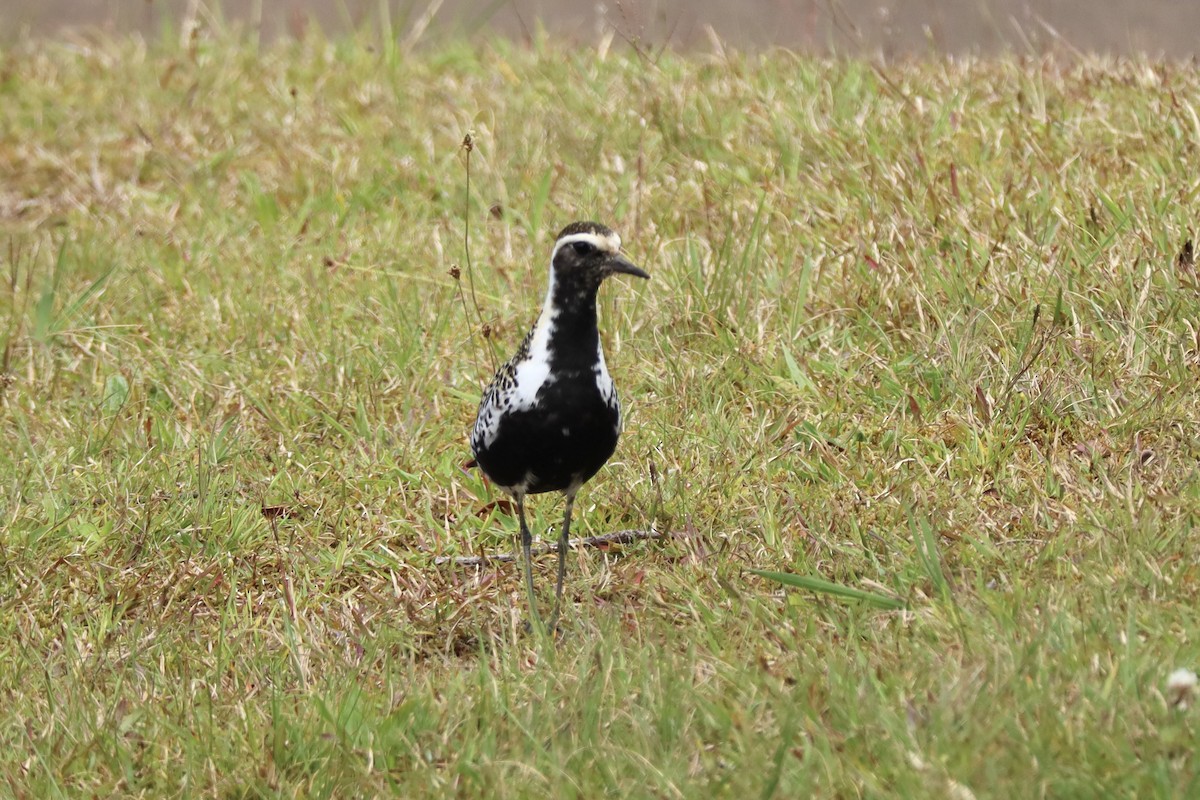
(555, 630)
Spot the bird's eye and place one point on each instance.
(583, 248)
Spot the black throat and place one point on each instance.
(575, 341)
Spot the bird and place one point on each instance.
(550, 418)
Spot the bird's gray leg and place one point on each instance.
(564, 534)
(526, 543)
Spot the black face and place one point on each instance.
(591, 252)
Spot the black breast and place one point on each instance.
(561, 441)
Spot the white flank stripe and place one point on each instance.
(533, 373)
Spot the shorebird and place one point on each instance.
(550, 417)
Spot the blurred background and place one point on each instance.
(891, 28)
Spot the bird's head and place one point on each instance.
(588, 252)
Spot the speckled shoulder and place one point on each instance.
(495, 396)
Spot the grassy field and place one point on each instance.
(929, 332)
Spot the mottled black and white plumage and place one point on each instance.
(551, 418)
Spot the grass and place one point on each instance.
(922, 336)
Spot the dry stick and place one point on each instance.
(468, 145)
(618, 537)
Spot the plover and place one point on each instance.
(551, 418)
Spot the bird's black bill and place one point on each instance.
(619, 263)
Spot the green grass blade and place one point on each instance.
(822, 586)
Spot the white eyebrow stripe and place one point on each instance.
(608, 244)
